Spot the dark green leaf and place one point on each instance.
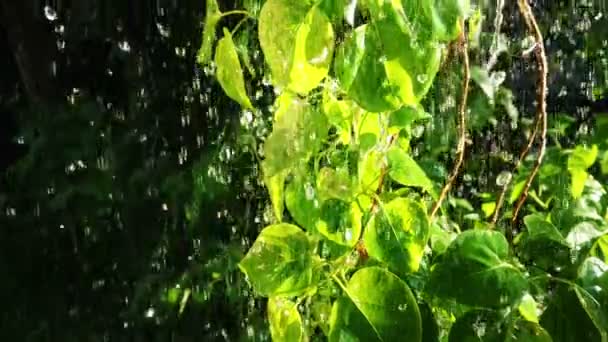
(340, 222)
(475, 271)
(477, 326)
(593, 293)
(378, 306)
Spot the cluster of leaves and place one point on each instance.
(353, 253)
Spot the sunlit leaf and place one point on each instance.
(334, 184)
(280, 262)
(526, 331)
(404, 170)
(397, 234)
(303, 202)
(212, 16)
(298, 131)
(297, 41)
(229, 72)
(340, 222)
(578, 163)
(475, 270)
(285, 321)
(360, 69)
(528, 308)
(276, 186)
(377, 306)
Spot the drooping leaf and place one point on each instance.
(303, 203)
(229, 72)
(285, 320)
(280, 261)
(593, 293)
(301, 63)
(397, 234)
(276, 186)
(360, 69)
(543, 244)
(377, 306)
(340, 222)
(578, 163)
(212, 16)
(404, 170)
(475, 270)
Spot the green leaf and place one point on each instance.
(340, 222)
(477, 326)
(285, 321)
(299, 64)
(404, 117)
(525, 331)
(404, 170)
(578, 163)
(229, 72)
(475, 271)
(303, 203)
(445, 15)
(360, 69)
(600, 248)
(593, 293)
(543, 244)
(581, 234)
(280, 261)
(440, 238)
(528, 308)
(565, 319)
(340, 115)
(370, 170)
(212, 16)
(378, 306)
(397, 234)
(276, 186)
(334, 184)
(298, 131)
(411, 62)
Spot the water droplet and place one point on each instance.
(124, 46)
(402, 307)
(163, 30)
(50, 13)
(422, 78)
(310, 191)
(504, 178)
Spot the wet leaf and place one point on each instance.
(477, 326)
(229, 72)
(285, 320)
(301, 63)
(593, 293)
(377, 306)
(212, 16)
(404, 170)
(397, 235)
(303, 203)
(280, 261)
(475, 270)
(340, 222)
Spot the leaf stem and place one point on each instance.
(541, 108)
(462, 123)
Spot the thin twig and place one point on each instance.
(522, 156)
(462, 124)
(541, 108)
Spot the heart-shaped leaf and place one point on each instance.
(377, 306)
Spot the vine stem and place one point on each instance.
(541, 107)
(462, 122)
(522, 156)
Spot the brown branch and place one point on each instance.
(522, 156)
(462, 123)
(541, 108)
